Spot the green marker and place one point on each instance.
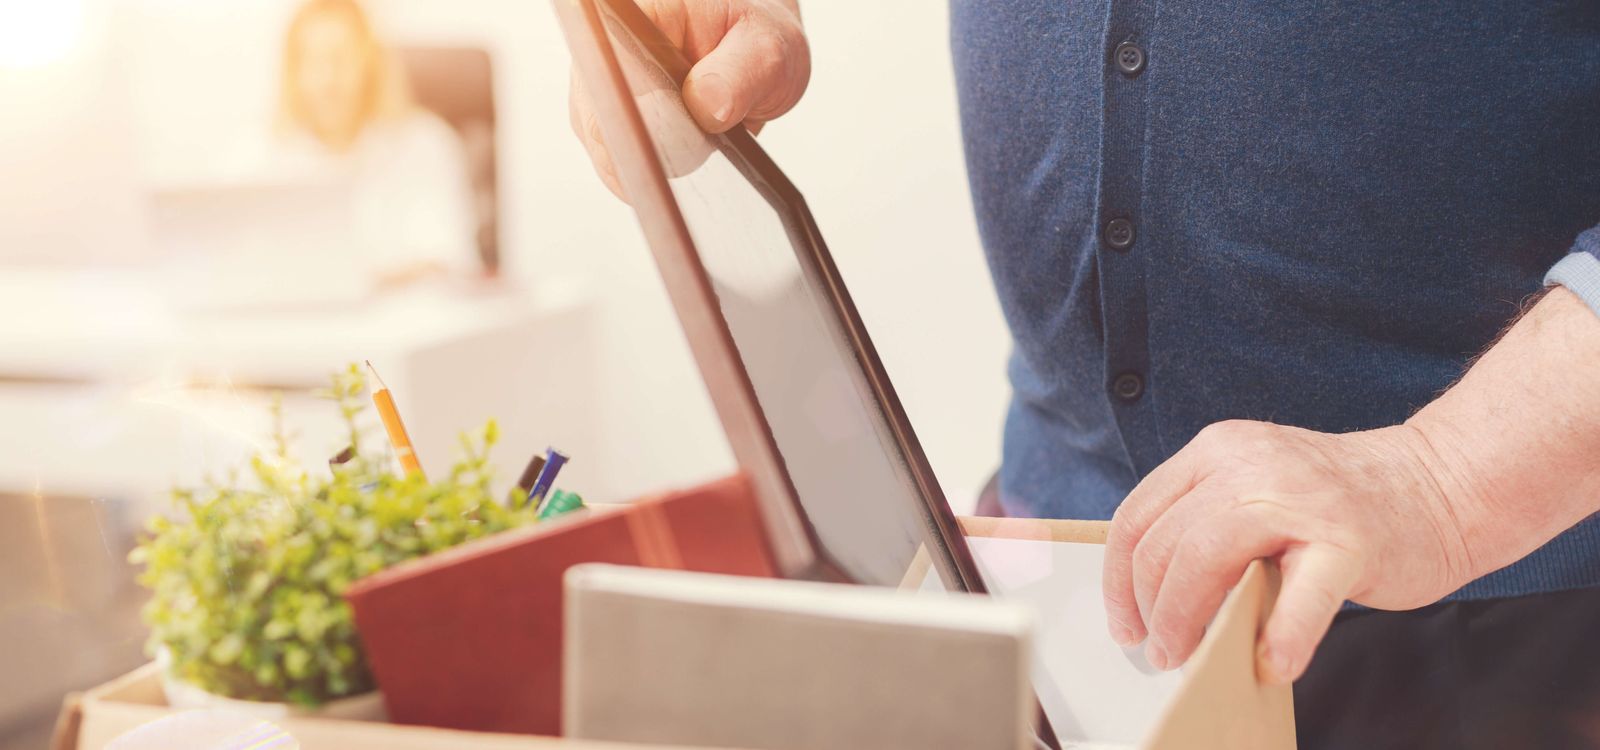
(561, 502)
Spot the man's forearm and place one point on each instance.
(1516, 444)
(1392, 518)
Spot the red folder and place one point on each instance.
(470, 638)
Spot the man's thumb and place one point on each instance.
(756, 72)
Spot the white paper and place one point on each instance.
(1092, 689)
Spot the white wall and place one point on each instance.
(874, 146)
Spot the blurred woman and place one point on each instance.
(344, 98)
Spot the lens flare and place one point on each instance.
(34, 34)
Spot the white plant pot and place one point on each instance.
(185, 695)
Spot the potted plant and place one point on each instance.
(246, 581)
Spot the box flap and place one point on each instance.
(65, 734)
(102, 715)
(1051, 529)
(1222, 703)
(669, 656)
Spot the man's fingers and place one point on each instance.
(1153, 555)
(757, 71)
(1316, 581)
(751, 64)
(587, 127)
(1208, 561)
(1148, 501)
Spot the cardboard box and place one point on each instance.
(92, 720)
(1096, 694)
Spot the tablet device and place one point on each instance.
(846, 490)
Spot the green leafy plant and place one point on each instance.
(247, 581)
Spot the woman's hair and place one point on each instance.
(383, 93)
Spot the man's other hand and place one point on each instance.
(1357, 516)
(750, 62)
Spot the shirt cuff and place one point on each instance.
(1580, 271)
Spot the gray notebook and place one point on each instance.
(671, 657)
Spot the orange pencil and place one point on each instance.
(392, 424)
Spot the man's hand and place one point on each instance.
(1393, 518)
(1355, 516)
(751, 64)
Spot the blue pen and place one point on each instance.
(553, 459)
